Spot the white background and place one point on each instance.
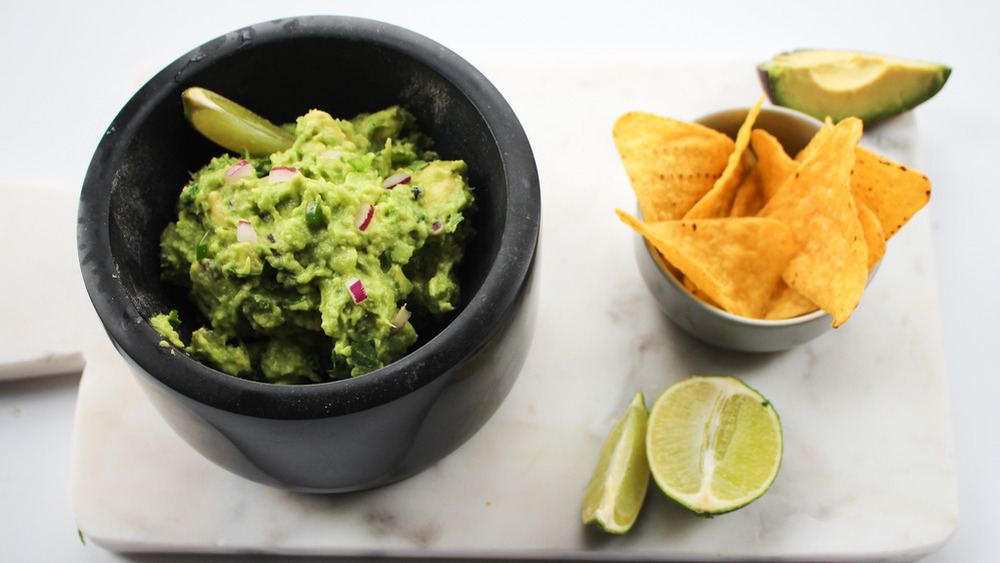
(67, 68)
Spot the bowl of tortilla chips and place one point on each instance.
(758, 229)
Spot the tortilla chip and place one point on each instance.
(830, 265)
(670, 164)
(719, 200)
(874, 236)
(693, 289)
(683, 280)
(817, 139)
(737, 262)
(773, 164)
(749, 198)
(788, 304)
(892, 191)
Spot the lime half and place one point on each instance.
(714, 444)
(617, 489)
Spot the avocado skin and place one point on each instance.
(764, 73)
(875, 109)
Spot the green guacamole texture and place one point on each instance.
(302, 263)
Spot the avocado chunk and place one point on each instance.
(840, 84)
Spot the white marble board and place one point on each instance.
(46, 320)
(868, 469)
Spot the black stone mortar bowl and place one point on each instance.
(344, 435)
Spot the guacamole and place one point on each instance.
(308, 263)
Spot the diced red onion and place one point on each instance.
(399, 321)
(357, 289)
(245, 232)
(363, 216)
(436, 226)
(280, 174)
(241, 169)
(395, 180)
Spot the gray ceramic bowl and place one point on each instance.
(710, 324)
(344, 435)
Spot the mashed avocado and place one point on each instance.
(307, 263)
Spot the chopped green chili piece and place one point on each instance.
(174, 318)
(201, 249)
(314, 215)
(359, 163)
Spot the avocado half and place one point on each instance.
(840, 84)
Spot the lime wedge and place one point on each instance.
(231, 125)
(714, 444)
(617, 489)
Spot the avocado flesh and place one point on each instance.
(840, 84)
